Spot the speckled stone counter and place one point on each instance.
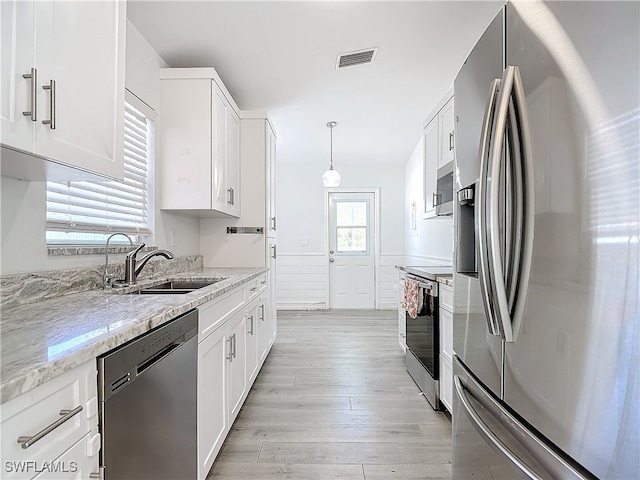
(41, 340)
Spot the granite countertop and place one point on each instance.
(438, 273)
(44, 339)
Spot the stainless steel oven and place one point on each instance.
(423, 344)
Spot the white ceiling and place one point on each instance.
(281, 56)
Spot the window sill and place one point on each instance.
(64, 251)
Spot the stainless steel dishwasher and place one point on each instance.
(147, 393)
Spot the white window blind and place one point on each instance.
(103, 207)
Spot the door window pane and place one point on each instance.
(351, 226)
(352, 239)
(351, 214)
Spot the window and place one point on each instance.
(87, 212)
(351, 226)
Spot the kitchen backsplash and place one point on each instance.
(31, 287)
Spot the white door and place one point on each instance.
(351, 250)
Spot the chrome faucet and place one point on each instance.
(107, 278)
(133, 266)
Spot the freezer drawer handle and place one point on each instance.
(486, 432)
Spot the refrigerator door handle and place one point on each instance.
(495, 261)
(481, 205)
(488, 434)
(511, 278)
(527, 204)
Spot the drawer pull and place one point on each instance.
(253, 289)
(67, 415)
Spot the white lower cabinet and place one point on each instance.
(237, 378)
(212, 398)
(446, 346)
(252, 341)
(46, 450)
(402, 320)
(77, 463)
(232, 345)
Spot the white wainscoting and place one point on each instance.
(302, 282)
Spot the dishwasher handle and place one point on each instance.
(151, 361)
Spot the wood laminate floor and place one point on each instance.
(334, 400)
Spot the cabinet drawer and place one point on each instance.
(34, 411)
(256, 286)
(213, 314)
(446, 334)
(446, 297)
(79, 461)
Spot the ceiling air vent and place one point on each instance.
(352, 59)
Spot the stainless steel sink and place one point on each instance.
(176, 287)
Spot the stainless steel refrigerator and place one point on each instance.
(547, 255)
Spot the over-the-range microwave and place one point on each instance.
(443, 197)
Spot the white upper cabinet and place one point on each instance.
(199, 144)
(430, 167)
(445, 127)
(272, 224)
(438, 150)
(62, 89)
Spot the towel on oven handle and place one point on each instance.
(411, 297)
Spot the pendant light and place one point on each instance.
(331, 178)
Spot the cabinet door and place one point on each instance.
(17, 58)
(252, 342)
(80, 46)
(271, 183)
(212, 398)
(185, 141)
(219, 150)
(402, 321)
(430, 167)
(237, 380)
(232, 162)
(446, 123)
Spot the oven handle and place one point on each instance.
(424, 284)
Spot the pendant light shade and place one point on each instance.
(331, 177)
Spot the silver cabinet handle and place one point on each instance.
(52, 105)
(262, 312)
(263, 282)
(250, 332)
(273, 223)
(232, 196)
(434, 198)
(34, 94)
(253, 289)
(26, 442)
(450, 141)
(487, 433)
(230, 356)
(235, 345)
(273, 255)
(331, 260)
(481, 218)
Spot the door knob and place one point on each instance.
(331, 251)
(331, 260)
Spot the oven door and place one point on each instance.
(422, 332)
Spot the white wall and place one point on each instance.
(23, 204)
(431, 242)
(302, 278)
